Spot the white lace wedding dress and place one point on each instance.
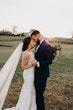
(27, 98)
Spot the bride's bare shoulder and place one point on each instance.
(25, 53)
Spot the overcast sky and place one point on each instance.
(51, 17)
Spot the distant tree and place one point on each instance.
(15, 30)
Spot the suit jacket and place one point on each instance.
(44, 56)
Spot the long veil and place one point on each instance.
(7, 73)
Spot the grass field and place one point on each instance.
(59, 88)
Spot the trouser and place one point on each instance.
(40, 85)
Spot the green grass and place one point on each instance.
(59, 89)
(10, 38)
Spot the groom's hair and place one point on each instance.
(35, 32)
(26, 42)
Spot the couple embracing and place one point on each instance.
(35, 72)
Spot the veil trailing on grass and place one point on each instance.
(7, 73)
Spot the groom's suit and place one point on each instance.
(44, 56)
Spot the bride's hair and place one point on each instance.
(26, 42)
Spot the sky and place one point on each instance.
(53, 18)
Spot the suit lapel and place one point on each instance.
(39, 46)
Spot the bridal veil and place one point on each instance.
(7, 73)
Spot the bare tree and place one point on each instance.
(15, 30)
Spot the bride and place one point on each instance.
(27, 98)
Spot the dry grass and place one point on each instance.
(59, 89)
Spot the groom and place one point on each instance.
(43, 54)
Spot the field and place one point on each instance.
(59, 89)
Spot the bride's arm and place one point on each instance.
(25, 65)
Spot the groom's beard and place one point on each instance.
(38, 42)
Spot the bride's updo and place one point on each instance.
(26, 42)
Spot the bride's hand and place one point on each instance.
(34, 63)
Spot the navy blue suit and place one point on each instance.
(44, 56)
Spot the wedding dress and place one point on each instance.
(27, 98)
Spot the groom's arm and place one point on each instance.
(46, 58)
